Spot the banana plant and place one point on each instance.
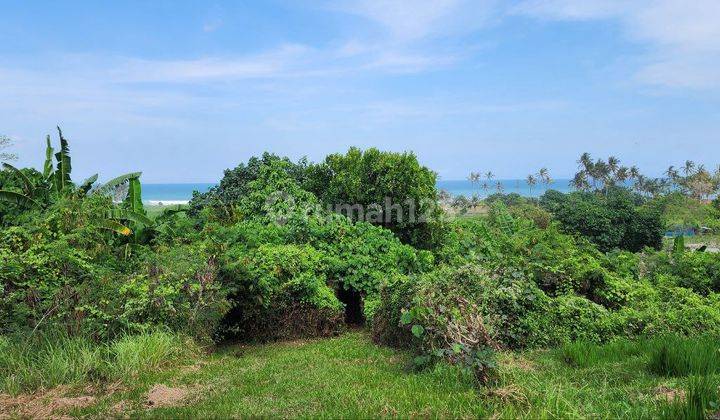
(58, 183)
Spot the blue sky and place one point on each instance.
(182, 90)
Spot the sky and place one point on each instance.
(182, 90)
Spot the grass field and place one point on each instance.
(349, 376)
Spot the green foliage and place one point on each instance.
(63, 183)
(701, 399)
(679, 244)
(678, 356)
(699, 271)
(235, 184)
(45, 361)
(612, 220)
(385, 179)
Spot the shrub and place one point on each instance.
(384, 313)
(235, 184)
(576, 318)
(699, 271)
(610, 221)
(369, 178)
(178, 288)
(270, 283)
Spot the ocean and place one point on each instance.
(181, 193)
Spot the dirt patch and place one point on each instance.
(193, 368)
(510, 394)
(53, 403)
(669, 394)
(164, 396)
(518, 362)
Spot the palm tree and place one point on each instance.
(485, 187)
(613, 164)
(688, 167)
(531, 181)
(474, 177)
(599, 172)
(580, 182)
(622, 174)
(634, 172)
(585, 161)
(544, 176)
(489, 175)
(499, 187)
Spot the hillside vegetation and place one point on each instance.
(570, 305)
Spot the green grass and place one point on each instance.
(349, 376)
(701, 397)
(678, 356)
(51, 360)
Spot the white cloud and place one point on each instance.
(683, 37)
(274, 63)
(417, 19)
(571, 9)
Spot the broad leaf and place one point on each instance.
(113, 183)
(26, 181)
(48, 167)
(87, 184)
(64, 167)
(115, 226)
(133, 201)
(17, 198)
(133, 216)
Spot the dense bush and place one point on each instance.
(699, 271)
(271, 282)
(616, 219)
(374, 178)
(261, 256)
(284, 254)
(234, 184)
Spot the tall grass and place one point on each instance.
(680, 356)
(701, 394)
(585, 354)
(51, 360)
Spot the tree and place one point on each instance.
(618, 219)
(55, 184)
(396, 182)
(580, 181)
(531, 181)
(688, 167)
(544, 177)
(6, 142)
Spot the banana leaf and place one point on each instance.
(17, 198)
(87, 184)
(133, 201)
(26, 181)
(115, 226)
(125, 214)
(48, 167)
(108, 186)
(64, 166)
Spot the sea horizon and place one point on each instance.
(181, 193)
